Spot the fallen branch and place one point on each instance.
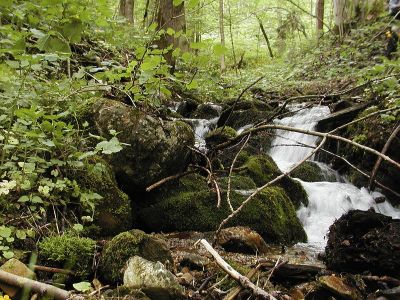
(386, 279)
(242, 280)
(53, 270)
(42, 289)
(320, 134)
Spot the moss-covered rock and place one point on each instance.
(219, 136)
(262, 169)
(157, 148)
(68, 252)
(113, 212)
(309, 171)
(271, 213)
(128, 244)
(238, 182)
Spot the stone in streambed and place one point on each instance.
(14, 266)
(127, 244)
(152, 278)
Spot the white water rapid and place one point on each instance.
(201, 128)
(327, 200)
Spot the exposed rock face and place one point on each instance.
(128, 244)
(152, 278)
(157, 148)
(364, 241)
(242, 240)
(189, 204)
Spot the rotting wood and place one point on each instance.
(242, 280)
(53, 270)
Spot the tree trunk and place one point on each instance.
(319, 12)
(171, 16)
(222, 32)
(339, 10)
(266, 37)
(126, 8)
(146, 14)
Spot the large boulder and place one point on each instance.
(189, 205)
(364, 241)
(157, 148)
(153, 279)
(128, 244)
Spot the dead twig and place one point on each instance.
(379, 160)
(167, 179)
(53, 270)
(231, 170)
(242, 280)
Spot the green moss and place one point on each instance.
(68, 252)
(262, 169)
(128, 244)
(238, 182)
(309, 171)
(271, 214)
(113, 211)
(219, 136)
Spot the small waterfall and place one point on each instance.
(201, 128)
(327, 200)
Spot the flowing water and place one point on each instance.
(327, 200)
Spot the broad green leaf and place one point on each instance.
(72, 31)
(5, 232)
(8, 254)
(193, 3)
(109, 147)
(20, 234)
(83, 286)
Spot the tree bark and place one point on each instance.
(126, 8)
(171, 16)
(146, 14)
(319, 13)
(222, 32)
(266, 38)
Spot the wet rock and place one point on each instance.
(157, 148)
(309, 171)
(242, 240)
(188, 107)
(245, 112)
(190, 205)
(152, 278)
(14, 266)
(363, 241)
(340, 118)
(194, 261)
(339, 287)
(206, 111)
(127, 244)
(338, 106)
(219, 136)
